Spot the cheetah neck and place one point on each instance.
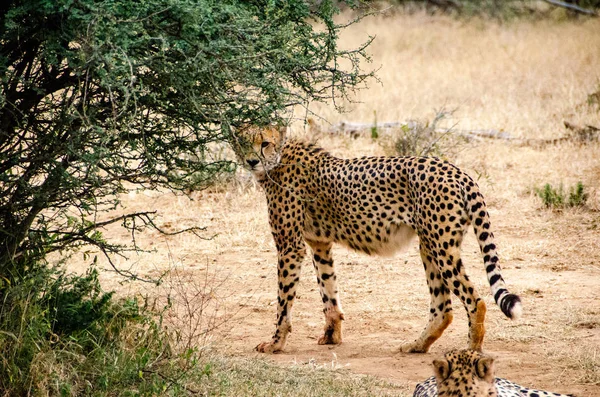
(299, 159)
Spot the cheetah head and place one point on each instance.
(258, 148)
(466, 373)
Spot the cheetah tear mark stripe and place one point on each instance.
(510, 304)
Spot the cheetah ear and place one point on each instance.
(441, 368)
(485, 368)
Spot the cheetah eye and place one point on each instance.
(264, 144)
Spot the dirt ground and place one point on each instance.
(521, 83)
(550, 258)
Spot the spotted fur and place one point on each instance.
(374, 205)
(467, 373)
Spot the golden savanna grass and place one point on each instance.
(524, 78)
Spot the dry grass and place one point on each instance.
(524, 78)
(250, 377)
(582, 360)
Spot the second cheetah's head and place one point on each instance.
(258, 148)
(467, 373)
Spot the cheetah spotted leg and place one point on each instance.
(327, 280)
(455, 277)
(440, 312)
(288, 272)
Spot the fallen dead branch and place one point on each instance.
(356, 129)
(572, 7)
(578, 134)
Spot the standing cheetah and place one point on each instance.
(467, 373)
(374, 205)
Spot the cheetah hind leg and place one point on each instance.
(332, 334)
(277, 343)
(440, 314)
(435, 328)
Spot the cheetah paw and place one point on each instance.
(413, 347)
(330, 338)
(269, 347)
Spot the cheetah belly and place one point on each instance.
(384, 241)
(398, 240)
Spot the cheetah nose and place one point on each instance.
(252, 162)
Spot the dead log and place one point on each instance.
(573, 7)
(491, 134)
(355, 129)
(582, 135)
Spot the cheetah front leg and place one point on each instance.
(288, 275)
(327, 280)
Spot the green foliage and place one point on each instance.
(551, 197)
(58, 333)
(588, 3)
(577, 196)
(557, 198)
(98, 98)
(593, 99)
(75, 303)
(101, 97)
(374, 129)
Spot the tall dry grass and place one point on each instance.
(522, 77)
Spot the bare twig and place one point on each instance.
(125, 273)
(171, 381)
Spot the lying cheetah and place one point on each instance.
(468, 373)
(374, 205)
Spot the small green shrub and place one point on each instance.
(551, 197)
(374, 130)
(558, 198)
(62, 335)
(75, 303)
(577, 196)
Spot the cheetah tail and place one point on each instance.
(510, 304)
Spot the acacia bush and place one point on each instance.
(99, 98)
